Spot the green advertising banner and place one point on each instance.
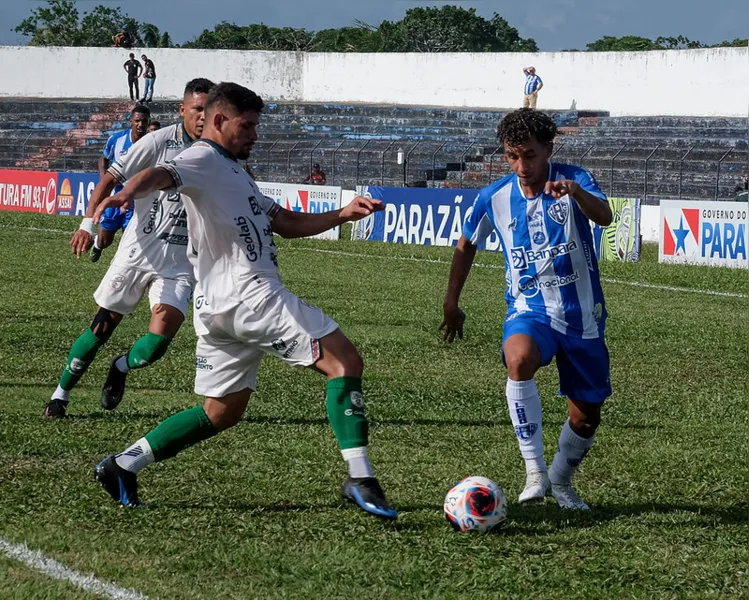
(620, 240)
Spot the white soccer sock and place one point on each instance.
(358, 462)
(96, 242)
(121, 364)
(136, 457)
(527, 416)
(572, 449)
(61, 394)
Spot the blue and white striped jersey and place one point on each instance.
(117, 146)
(532, 83)
(551, 268)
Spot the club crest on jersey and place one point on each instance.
(559, 211)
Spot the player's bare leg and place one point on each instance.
(576, 439)
(165, 323)
(341, 363)
(103, 240)
(523, 359)
(81, 355)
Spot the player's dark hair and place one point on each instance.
(142, 110)
(232, 94)
(525, 124)
(201, 85)
(156, 124)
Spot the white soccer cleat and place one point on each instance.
(537, 485)
(567, 497)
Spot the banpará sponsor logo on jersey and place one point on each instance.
(530, 285)
(202, 364)
(559, 211)
(522, 257)
(155, 216)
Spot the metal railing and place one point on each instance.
(651, 172)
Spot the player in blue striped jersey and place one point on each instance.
(117, 147)
(541, 213)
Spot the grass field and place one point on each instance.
(254, 512)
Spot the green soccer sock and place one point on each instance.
(345, 407)
(147, 350)
(80, 357)
(180, 431)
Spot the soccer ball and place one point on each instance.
(475, 504)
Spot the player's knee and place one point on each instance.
(104, 323)
(224, 415)
(585, 425)
(521, 366)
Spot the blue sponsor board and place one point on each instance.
(74, 191)
(422, 216)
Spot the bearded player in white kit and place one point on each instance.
(242, 310)
(151, 259)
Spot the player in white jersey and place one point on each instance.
(242, 310)
(541, 214)
(151, 258)
(116, 147)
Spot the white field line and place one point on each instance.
(654, 286)
(44, 229)
(37, 561)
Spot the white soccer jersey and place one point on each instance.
(231, 241)
(156, 237)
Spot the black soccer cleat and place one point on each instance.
(95, 254)
(367, 494)
(122, 485)
(114, 387)
(56, 409)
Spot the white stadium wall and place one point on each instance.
(704, 82)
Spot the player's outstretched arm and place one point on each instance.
(140, 186)
(453, 317)
(593, 207)
(290, 224)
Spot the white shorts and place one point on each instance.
(122, 288)
(228, 356)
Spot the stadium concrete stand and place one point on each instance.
(650, 157)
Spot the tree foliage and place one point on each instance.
(633, 43)
(60, 24)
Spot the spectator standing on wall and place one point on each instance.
(133, 69)
(317, 177)
(149, 74)
(533, 85)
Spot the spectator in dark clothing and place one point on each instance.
(317, 177)
(149, 74)
(123, 39)
(154, 126)
(742, 187)
(133, 69)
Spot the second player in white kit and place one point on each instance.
(242, 310)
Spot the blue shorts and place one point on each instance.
(112, 219)
(583, 365)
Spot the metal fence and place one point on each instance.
(647, 171)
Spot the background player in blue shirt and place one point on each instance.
(117, 146)
(555, 304)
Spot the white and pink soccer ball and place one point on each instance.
(475, 504)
